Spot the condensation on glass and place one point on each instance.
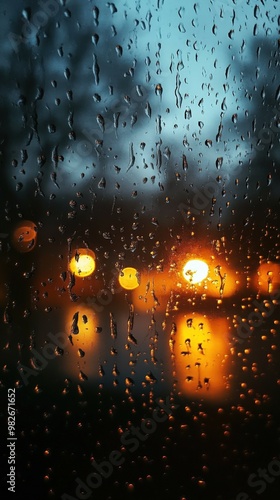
(139, 237)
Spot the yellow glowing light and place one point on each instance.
(129, 278)
(25, 236)
(83, 263)
(195, 271)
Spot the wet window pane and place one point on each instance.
(139, 238)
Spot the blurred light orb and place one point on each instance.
(195, 271)
(83, 263)
(24, 236)
(129, 278)
(267, 279)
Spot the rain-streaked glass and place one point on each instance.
(139, 238)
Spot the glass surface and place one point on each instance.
(139, 237)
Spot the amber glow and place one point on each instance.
(129, 278)
(195, 271)
(154, 291)
(82, 326)
(81, 356)
(223, 281)
(201, 350)
(24, 236)
(82, 263)
(220, 280)
(268, 277)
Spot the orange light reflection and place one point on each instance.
(268, 278)
(87, 322)
(200, 356)
(84, 353)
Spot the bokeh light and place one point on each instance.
(83, 263)
(195, 271)
(129, 278)
(24, 236)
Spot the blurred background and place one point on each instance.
(146, 133)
